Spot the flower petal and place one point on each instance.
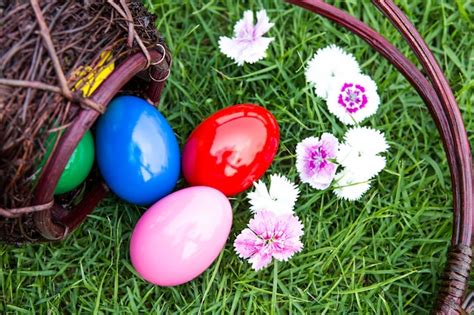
(284, 193)
(246, 244)
(260, 260)
(229, 47)
(244, 27)
(326, 64)
(349, 186)
(255, 50)
(263, 23)
(280, 199)
(260, 199)
(366, 140)
(330, 144)
(292, 247)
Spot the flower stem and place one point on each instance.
(275, 286)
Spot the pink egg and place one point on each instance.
(180, 236)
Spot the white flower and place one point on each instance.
(353, 98)
(248, 43)
(359, 153)
(366, 140)
(366, 166)
(350, 186)
(327, 64)
(280, 199)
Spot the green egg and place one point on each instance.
(79, 165)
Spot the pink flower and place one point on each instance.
(314, 160)
(269, 236)
(248, 43)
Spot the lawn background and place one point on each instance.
(380, 255)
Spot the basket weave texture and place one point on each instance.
(52, 53)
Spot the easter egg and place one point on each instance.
(137, 151)
(78, 166)
(231, 149)
(180, 236)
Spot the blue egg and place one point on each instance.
(137, 151)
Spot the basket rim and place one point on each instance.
(439, 99)
(55, 223)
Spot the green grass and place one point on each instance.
(380, 255)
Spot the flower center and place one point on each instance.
(272, 238)
(247, 34)
(269, 241)
(352, 97)
(317, 159)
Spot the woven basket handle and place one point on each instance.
(57, 222)
(442, 105)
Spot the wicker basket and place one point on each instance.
(438, 97)
(141, 65)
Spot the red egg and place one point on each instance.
(231, 149)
